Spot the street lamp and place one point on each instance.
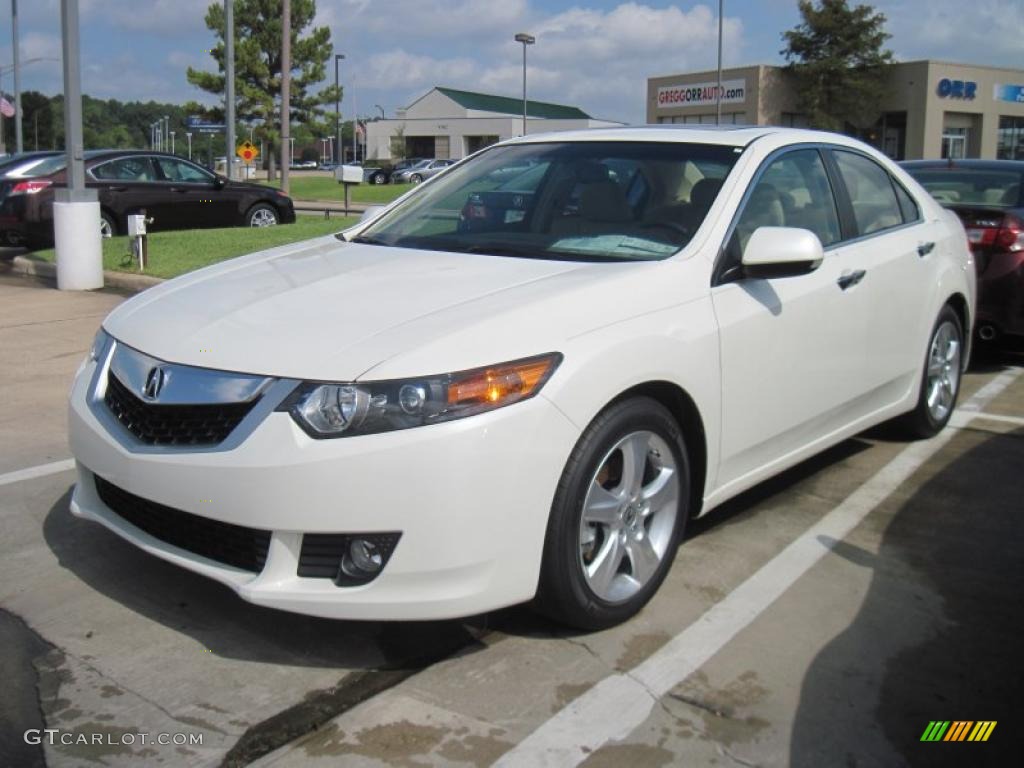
(167, 131)
(337, 103)
(188, 135)
(172, 142)
(526, 40)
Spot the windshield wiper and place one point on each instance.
(367, 240)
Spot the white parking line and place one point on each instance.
(617, 705)
(41, 471)
(999, 417)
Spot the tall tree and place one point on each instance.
(836, 57)
(258, 65)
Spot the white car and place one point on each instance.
(521, 385)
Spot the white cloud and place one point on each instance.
(163, 17)
(989, 33)
(598, 60)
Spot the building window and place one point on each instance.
(954, 143)
(793, 120)
(1010, 144)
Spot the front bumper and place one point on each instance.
(470, 497)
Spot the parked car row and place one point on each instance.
(176, 193)
(988, 196)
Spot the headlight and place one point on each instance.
(98, 343)
(362, 408)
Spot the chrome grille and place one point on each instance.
(156, 424)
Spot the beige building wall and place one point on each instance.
(914, 89)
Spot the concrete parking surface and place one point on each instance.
(822, 619)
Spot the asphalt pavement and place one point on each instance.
(824, 618)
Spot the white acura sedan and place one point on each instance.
(521, 380)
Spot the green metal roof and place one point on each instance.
(485, 102)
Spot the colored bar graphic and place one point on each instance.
(958, 731)
(982, 730)
(935, 730)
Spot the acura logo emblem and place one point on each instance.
(154, 382)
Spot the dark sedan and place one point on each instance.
(174, 192)
(988, 196)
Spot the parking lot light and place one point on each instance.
(525, 39)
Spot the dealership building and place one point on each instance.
(449, 123)
(931, 109)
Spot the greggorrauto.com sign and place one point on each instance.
(701, 94)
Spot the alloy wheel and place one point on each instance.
(943, 371)
(262, 218)
(629, 514)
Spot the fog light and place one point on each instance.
(365, 555)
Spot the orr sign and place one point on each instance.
(701, 94)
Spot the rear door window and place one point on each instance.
(125, 169)
(875, 207)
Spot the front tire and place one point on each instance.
(415, 178)
(619, 512)
(378, 178)
(940, 381)
(262, 215)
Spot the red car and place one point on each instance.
(988, 196)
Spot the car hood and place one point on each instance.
(331, 310)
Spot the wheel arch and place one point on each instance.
(959, 304)
(684, 410)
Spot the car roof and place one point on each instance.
(724, 135)
(970, 165)
(94, 154)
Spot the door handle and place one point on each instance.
(179, 190)
(924, 249)
(849, 279)
(118, 189)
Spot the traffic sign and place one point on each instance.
(247, 151)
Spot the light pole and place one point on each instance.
(718, 93)
(378, 106)
(286, 85)
(18, 143)
(76, 209)
(229, 85)
(172, 142)
(526, 40)
(167, 131)
(188, 135)
(337, 104)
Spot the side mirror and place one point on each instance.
(782, 252)
(370, 212)
(219, 182)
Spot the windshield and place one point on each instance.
(587, 200)
(969, 186)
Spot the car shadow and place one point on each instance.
(937, 637)
(214, 616)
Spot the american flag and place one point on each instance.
(6, 109)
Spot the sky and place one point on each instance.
(594, 54)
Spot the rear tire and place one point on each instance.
(940, 380)
(415, 178)
(108, 227)
(378, 178)
(619, 512)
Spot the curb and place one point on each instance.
(44, 270)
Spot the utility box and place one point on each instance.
(349, 174)
(136, 224)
